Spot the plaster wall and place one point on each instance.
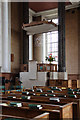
(28, 83)
(0, 35)
(79, 41)
(16, 35)
(71, 36)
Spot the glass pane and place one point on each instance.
(55, 46)
(48, 38)
(50, 47)
(52, 43)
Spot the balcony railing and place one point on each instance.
(40, 67)
(47, 67)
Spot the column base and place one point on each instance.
(61, 69)
(58, 75)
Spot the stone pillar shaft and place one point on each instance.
(0, 35)
(5, 39)
(61, 37)
(25, 36)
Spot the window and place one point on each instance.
(50, 43)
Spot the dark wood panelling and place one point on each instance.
(73, 76)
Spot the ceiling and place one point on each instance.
(42, 6)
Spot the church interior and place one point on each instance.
(39, 60)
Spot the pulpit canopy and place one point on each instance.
(39, 27)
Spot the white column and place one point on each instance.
(30, 47)
(43, 44)
(5, 39)
(30, 41)
(0, 35)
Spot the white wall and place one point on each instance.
(0, 34)
(6, 38)
(30, 39)
(29, 83)
(33, 78)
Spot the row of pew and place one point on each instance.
(4, 90)
(52, 103)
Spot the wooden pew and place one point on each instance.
(42, 99)
(55, 111)
(39, 117)
(51, 93)
(66, 91)
(56, 93)
(46, 89)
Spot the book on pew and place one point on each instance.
(32, 94)
(78, 90)
(25, 97)
(25, 92)
(69, 89)
(31, 90)
(54, 99)
(55, 88)
(3, 104)
(39, 90)
(50, 91)
(70, 92)
(11, 97)
(43, 95)
(78, 93)
(34, 106)
(72, 96)
(58, 89)
(15, 104)
(62, 95)
(52, 95)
